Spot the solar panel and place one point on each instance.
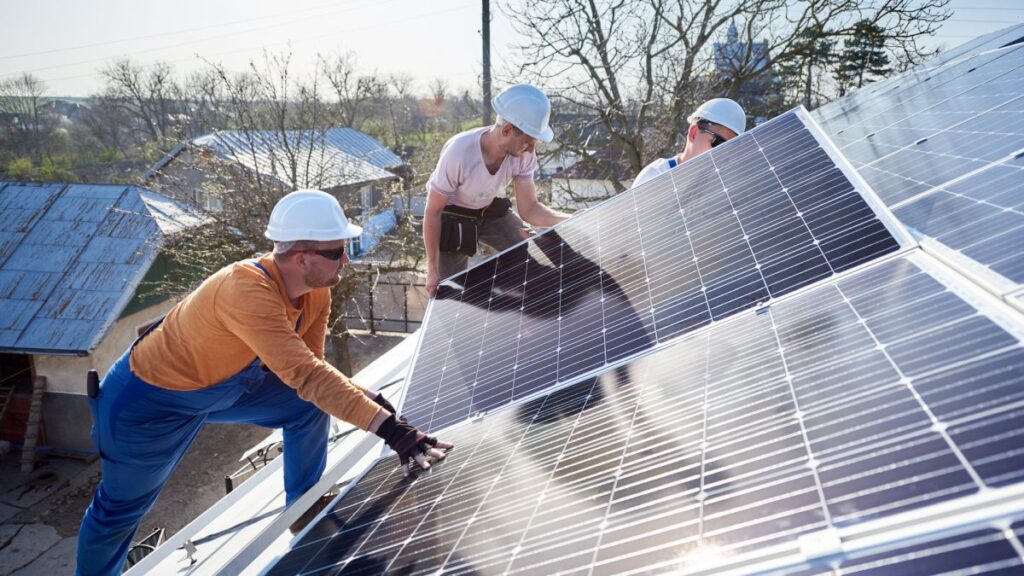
(981, 552)
(761, 216)
(755, 380)
(884, 391)
(867, 96)
(942, 146)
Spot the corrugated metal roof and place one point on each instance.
(362, 145)
(71, 256)
(309, 159)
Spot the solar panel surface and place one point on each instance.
(942, 147)
(759, 217)
(876, 393)
(891, 392)
(982, 552)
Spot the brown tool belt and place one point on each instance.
(497, 208)
(460, 227)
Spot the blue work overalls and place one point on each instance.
(142, 432)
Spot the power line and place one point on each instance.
(980, 21)
(158, 35)
(179, 44)
(264, 46)
(990, 8)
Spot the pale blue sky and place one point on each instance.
(66, 41)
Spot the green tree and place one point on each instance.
(863, 58)
(814, 52)
(20, 169)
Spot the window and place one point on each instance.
(355, 247)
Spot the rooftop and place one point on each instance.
(71, 256)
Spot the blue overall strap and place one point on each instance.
(671, 164)
(260, 266)
(298, 321)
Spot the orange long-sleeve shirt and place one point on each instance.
(237, 315)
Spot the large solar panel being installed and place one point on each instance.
(765, 214)
(866, 96)
(942, 147)
(892, 389)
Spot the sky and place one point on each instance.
(67, 42)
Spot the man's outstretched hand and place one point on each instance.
(409, 443)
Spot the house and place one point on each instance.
(347, 163)
(73, 259)
(746, 63)
(589, 181)
(342, 161)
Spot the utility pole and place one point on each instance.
(485, 32)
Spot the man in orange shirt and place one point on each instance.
(246, 346)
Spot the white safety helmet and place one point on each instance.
(309, 215)
(721, 111)
(527, 108)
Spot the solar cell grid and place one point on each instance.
(973, 49)
(921, 100)
(809, 413)
(766, 214)
(939, 150)
(981, 216)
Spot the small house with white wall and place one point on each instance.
(75, 263)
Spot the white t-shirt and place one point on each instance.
(462, 175)
(659, 166)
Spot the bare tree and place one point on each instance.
(109, 124)
(352, 90)
(439, 90)
(150, 98)
(203, 104)
(626, 73)
(279, 124)
(23, 122)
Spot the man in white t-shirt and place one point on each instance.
(713, 123)
(463, 207)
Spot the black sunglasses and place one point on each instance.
(330, 254)
(716, 139)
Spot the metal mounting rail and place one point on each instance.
(993, 508)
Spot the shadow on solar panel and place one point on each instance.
(866, 399)
(764, 215)
(744, 366)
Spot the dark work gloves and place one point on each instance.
(405, 440)
(383, 403)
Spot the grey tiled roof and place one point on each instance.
(71, 256)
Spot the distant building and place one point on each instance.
(747, 62)
(73, 260)
(353, 166)
(67, 109)
(588, 182)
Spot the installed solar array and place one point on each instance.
(707, 416)
(943, 147)
(872, 395)
(695, 246)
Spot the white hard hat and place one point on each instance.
(309, 215)
(721, 111)
(527, 108)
